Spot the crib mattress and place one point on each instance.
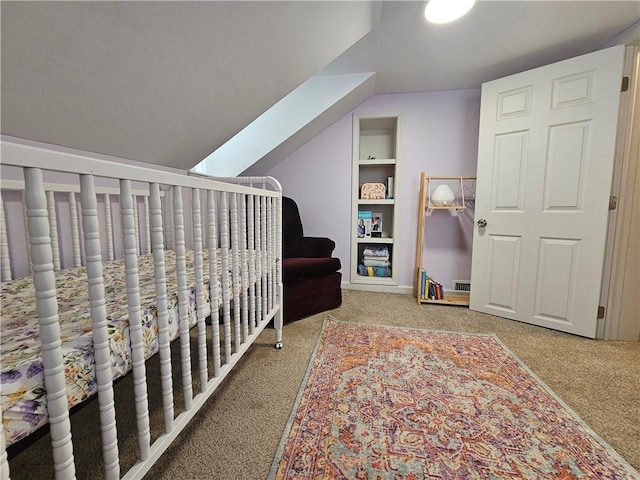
(23, 397)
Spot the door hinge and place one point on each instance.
(613, 202)
(625, 84)
(601, 311)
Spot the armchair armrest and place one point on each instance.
(315, 247)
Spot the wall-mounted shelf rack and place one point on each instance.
(462, 191)
(461, 187)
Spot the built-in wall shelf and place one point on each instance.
(374, 219)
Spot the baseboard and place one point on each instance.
(407, 290)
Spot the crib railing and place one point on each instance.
(71, 193)
(238, 220)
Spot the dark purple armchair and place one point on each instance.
(310, 274)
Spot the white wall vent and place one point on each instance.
(461, 285)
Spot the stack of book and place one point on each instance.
(429, 288)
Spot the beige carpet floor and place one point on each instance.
(236, 434)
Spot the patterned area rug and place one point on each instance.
(391, 403)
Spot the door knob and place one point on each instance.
(482, 223)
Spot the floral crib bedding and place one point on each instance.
(23, 398)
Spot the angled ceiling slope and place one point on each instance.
(161, 82)
(289, 124)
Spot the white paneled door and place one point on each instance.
(545, 162)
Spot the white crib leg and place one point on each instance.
(224, 253)
(235, 273)
(196, 216)
(214, 283)
(48, 322)
(97, 304)
(159, 278)
(183, 297)
(135, 323)
(279, 318)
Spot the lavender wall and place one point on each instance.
(440, 136)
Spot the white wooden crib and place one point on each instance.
(191, 257)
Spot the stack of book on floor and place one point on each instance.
(429, 288)
(375, 262)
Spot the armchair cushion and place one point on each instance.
(297, 268)
(314, 247)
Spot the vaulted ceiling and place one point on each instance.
(170, 82)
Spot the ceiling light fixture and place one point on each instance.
(444, 11)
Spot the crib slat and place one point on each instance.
(136, 225)
(183, 297)
(224, 252)
(109, 226)
(203, 219)
(5, 274)
(235, 273)
(53, 227)
(75, 231)
(170, 235)
(97, 307)
(48, 322)
(199, 278)
(258, 235)
(26, 229)
(214, 283)
(244, 268)
(159, 278)
(127, 207)
(147, 226)
(272, 253)
(265, 257)
(252, 264)
(271, 256)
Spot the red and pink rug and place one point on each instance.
(395, 403)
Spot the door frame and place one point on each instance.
(625, 186)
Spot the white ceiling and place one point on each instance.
(495, 39)
(170, 82)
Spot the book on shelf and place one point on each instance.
(376, 225)
(429, 288)
(389, 185)
(364, 223)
